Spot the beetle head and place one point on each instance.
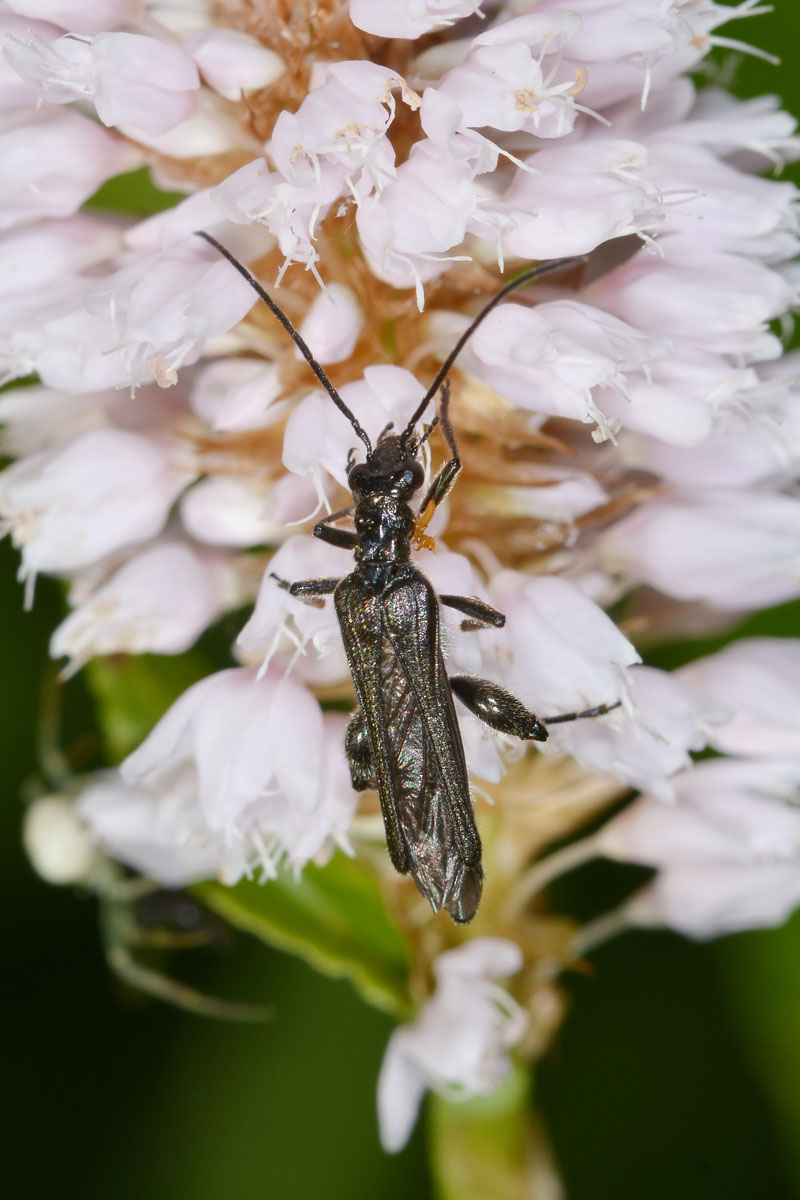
(391, 469)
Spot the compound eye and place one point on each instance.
(357, 477)
(414, 474)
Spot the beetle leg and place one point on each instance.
(444, 478)
(497, 708)
(481, 616)
(358, 753)
(346, 539)
(442, 481)
(310, 591)
(597, 711)
(500, 710)
(421, 539)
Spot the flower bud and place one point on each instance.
(57, 841)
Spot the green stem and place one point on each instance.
(553, 866)
(491, 1148)
(602, 929)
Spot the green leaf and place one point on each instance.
(779, 622)
(133, 691)
(133, 192)
(761, 972)
(333, 917)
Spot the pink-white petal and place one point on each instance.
(80, 16)
(734, 550)
(164, 840)
(69, 506)
(53, 164)
(759, 679)
(332, 325)
(668, 720)
(408, 18)
(159, 602)
(234, 63)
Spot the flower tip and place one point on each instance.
(164, 375)
(57, 842)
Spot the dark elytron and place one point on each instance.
(403, 738)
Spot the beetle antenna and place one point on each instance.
(548, 268)
(293, 334)
(428, 431)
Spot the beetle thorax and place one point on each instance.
(385, 525)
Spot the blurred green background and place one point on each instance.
(677, 1071)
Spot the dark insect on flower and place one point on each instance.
(403, 738)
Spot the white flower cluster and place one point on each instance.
(459, 1046)
(528, 131)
